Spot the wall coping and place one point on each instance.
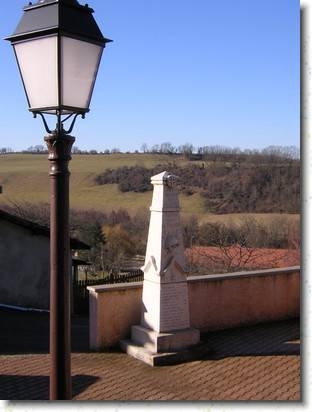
(236, 275)
(205, 278)
(114, 286)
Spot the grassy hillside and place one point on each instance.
(24, 178)
(266, 219)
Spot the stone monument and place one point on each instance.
(164, 334)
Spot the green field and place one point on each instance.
(24, 178)
(262, 218)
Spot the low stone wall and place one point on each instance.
(216, 302)
(113, 310)
(229, 300)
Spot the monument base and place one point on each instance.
(158, 342)
(192, 353)
(156, 348)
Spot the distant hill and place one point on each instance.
(24, 178)
(109, 181)
(221, 199)
(226, 187)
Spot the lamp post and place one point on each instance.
(58, 47)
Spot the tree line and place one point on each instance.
(227, 187)
(112, 236)
(188, 150)
(116, 236)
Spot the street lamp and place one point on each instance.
(58, 47)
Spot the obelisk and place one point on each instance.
(165, 320)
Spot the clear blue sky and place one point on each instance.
(206, 72)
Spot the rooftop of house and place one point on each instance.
(236, 256)
(38, 229)
(260, 362)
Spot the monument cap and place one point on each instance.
(165, 177)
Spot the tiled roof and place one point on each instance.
(248, 258)
(37, 229)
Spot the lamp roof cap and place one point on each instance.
(64, 17)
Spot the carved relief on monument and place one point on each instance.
(173, 258)
(173, 264)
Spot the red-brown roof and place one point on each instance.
(242, 258)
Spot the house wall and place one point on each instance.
(215, 302)
(24, 267)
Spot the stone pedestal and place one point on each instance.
(162, 342)
(165, 330)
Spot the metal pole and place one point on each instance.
(59, 146)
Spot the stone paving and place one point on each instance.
(252, 363)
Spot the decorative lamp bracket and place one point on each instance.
(59, 126)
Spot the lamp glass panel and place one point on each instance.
(37, 60)
(80, 62)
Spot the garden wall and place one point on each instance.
(216, 302)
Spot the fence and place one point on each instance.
(81, 294)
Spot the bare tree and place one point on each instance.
(167, 148)
(76, 150)
(118, 247)
(222, 259)
(186, 149)
(115, 150)
(5, 150)
(144, 148)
